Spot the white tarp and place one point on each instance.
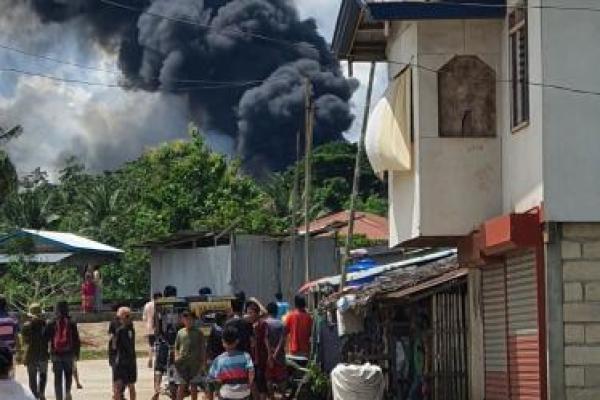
(388, 137)
(357, 382)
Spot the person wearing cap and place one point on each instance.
(36, 351)
(125, 364)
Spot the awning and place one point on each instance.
(376, 271)
(440, 280)
(48, 258)
(388, 139)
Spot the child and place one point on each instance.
(233, 369)
(190, 357)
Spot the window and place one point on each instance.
(519, 66)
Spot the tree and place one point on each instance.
(8, 176)
(333, 171)
(32, 206)
(8, 173)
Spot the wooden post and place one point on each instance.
(293, 221)
(356, 181)
(307, 175)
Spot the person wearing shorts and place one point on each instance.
(148, 316)
(125, 365)
(190, 357)
(233, 370)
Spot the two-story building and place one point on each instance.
(489, 134)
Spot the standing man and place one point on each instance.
(242, 326)
(9, 328)
(298, 324)
(276, 372)
(36, 351)
(148, 316)
(65, 346)
(190, 357)
(125, 370)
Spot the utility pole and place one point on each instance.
(356, 181)
(293, 221)
(308, 126)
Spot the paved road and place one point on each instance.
(96, 381)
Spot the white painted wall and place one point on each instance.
(456, 183)
(522, 179)
(571, 142)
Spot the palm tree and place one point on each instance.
(31, 208)
(100, 203)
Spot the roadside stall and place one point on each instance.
(411, 321)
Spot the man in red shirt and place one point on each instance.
(298, 324)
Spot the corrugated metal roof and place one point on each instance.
(70, 240)
(47, 242)
(47, 258)
(406, 265)
(399, 279)
(372, 226)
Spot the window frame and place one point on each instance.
(518, 37)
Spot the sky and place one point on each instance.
(104, 127)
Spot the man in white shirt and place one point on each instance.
(9, 388)
(150, 329)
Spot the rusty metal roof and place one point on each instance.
(402, 282)
(372, 226)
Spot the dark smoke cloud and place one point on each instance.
(163, 54)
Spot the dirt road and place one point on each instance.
(96, 381)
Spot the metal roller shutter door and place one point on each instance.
(494, 335)
(523, 339)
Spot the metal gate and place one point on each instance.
(450, 347)
(511, 340)
(494, 333)
(523, 339)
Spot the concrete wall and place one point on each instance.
(456, 183)
(571, 139)
(580, 256)
(522, 179)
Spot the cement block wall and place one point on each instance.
(580, 259)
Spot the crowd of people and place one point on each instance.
(56, 340)
(243, 356)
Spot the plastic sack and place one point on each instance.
(357, 382)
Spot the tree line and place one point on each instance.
(177, 186)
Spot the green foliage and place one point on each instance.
(8, 176)
(178, 186)
(181, 185)
(320, 385)
(23, 283)
(333, 173)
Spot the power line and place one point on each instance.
(117, 85)
(114, 72)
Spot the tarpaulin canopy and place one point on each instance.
(48, 247)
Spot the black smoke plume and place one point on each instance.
(193, 47)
